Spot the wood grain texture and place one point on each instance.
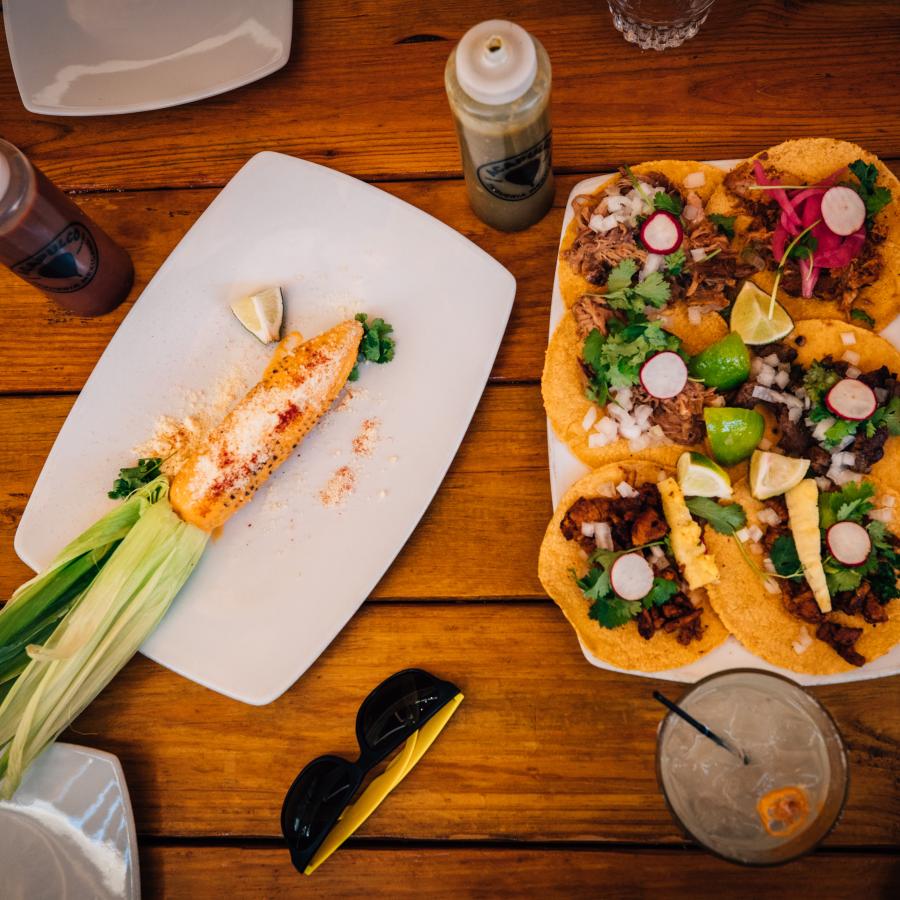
(446, 874)
(544, 748)
(356, 96)
(497, 486)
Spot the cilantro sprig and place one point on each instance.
(875, 196)
(376, 346)
(724, 518)
(133, 477)
(667, 203)
(634, 299)
(725, 224)
(860, 315)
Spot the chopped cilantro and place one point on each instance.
(785, 559)
(674, 262)
(891, 416)
(725, 224)
(612, 611)
(130, 479)
(663, 590)
(841, 578)
(634, 299)
(874, 196)
(375, 345)
(851, 502)
(726, 519)
(667, 203)
(862, 316)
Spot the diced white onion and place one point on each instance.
(823, 483)
(888, 501)
(608, 427)
(803, 642)
(853, 372)
(768, 565)
(844, 477)
(763, 393)
(652, 264)
(595, 440)
(794, 414)
(771, 585)
(768, 516)
(624, 489)
(694, 180)
(848, 338)
(882, 515)
(782, 378)
(743, 535)
(622, 396)
(588, 528)
(772, 360)
(691, 212)
(765, 444)
(615, 203)
(756, 365)
(629, 430)
(639, 443)
(590, 417)
(851, 357)
(846, 459)
(698, 253)
(755, 548)
(658, 435)
(755, 533)
(694, 315)
(821, 428)
(603, 536)
(766, 377)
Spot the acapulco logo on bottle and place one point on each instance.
(65, 264)
(518, 177)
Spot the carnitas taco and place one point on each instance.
(653, 216)
(811, 582)
(821, 218)
(625, 561)
(831, 394)
(615, 383)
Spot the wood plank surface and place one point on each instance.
(497, 486)
(362, 94)
(446, 874)
(545, 747)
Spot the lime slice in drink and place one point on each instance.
(699, 476)
(733, 433)
(772, 474)
(261, 313)
(724, 364)
(750, 317)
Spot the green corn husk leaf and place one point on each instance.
(102, 631)
(38, 604)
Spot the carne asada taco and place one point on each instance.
(653, 216)
(830, 393)
(813, 586)
(624, 560)
(615, 384)
(833, 231)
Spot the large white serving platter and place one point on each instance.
(287, 572)
(100, 57)
(68, 830)
(566, 469)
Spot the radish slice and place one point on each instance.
(843, 210)
(661, 232)
(631, 576)
(664, 375)
(851, 399)
(848, 543)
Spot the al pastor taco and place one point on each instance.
(625, 561)
(652, 216)
(821, 219)
(812, 585)
(831, 394)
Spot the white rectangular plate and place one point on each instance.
(288, 571)
(566, 469)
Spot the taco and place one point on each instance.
(593, 391)
(830, 393)
(613, 225)
(847, 265)
(804, 595)
(624, 560)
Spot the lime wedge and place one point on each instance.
(750, 317)
(699, 476)
(724, 364)
(261, 313)
(772, 474)
(733, 433)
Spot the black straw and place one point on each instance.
(725, 745)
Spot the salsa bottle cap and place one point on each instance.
(496, 62)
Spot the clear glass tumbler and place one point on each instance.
(659, 24)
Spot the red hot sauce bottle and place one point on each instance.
(49, 242)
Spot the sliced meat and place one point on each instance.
(861, 602)
(590, 314)
(648, 526)
(842, 639)
(819, 460)
(868, 450)
(802, 605)
(681, 417)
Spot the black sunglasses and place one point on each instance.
(397, 708)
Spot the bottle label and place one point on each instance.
(521, 176)
(65, 264)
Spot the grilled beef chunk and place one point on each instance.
(784, 353)
(648, 526)
(861, 602)
(743, 396)
(802, 605)
(868, 450)
(819, 460)
(842, 639)
(676, 615)
(793, 437)
(882, 378)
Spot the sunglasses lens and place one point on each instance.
(396, 708)
(315, 800)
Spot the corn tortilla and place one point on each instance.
(810, 160)
(622, 646)
(759, 619)
(563, 384)
(573, 285)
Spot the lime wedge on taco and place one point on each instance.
(750, 316)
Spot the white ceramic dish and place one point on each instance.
(69, 830)
(96, 57)
(287, 572)
(566, 469)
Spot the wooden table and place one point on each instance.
(543, 784)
